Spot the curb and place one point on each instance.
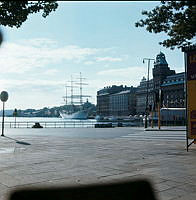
(165, 129)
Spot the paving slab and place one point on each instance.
(41, 160)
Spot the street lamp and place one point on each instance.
(4, 98)
(148, 59)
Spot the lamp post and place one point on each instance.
(147, 87)
(15, 115)
(4, 98)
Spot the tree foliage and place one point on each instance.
(14, 13)
(176, 18)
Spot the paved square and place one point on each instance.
(60, 157)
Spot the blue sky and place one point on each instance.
(98, 39)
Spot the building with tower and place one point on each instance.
(166, 82)
(160, 71)
(124, 101)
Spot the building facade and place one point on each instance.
(160, 71)
(141, 96)
(103, 98)
(174, 91)
(166, 84)
(123, 103)
(116, 101)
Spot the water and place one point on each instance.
(52, 122)
(41, 119)
(46, 122)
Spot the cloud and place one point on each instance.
(109, 59)
(89, 62)
(133, 75)
(25, 55)
(32, 94)
(39, 42)
(51, 72)
(14, 84)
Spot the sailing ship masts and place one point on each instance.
(76, 96)
(72, 86)
(71, 91)
(81, 88)
(66, 95)
(80, 85)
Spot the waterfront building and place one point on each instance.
(116, 101)
(166, 81)
(160, 71)
(141, 95)
(124, 101)
(132, 101)
(103, 98)
(103, 104)
(174, 91)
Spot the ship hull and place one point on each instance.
(77, 115)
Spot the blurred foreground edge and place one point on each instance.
(133, 190)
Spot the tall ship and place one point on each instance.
(75, 108)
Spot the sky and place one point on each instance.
(98, 39)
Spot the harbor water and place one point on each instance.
(45, 122)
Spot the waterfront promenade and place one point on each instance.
(75, 156)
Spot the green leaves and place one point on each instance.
(14, 13)
(176, 18)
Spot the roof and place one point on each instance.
(182, 74)
(103, 94)
(173, 83)
(160, 59)
(173, 108)
(175, 79)
(122, 92)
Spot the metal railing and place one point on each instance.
(51, 124)
(64, 124)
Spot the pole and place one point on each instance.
(3, 120)
(186, 102)
(159, 116)
(147, 87)
(15, 122)
(147, 94)
(152, 120)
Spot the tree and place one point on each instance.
(14, 13)
(176, 18)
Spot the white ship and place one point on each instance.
(75, 110)
(76, 115)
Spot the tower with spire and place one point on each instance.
(160, 70)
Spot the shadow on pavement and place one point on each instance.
(17, 141)
(130, 190)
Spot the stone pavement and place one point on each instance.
(167, 128)
(28, 160)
